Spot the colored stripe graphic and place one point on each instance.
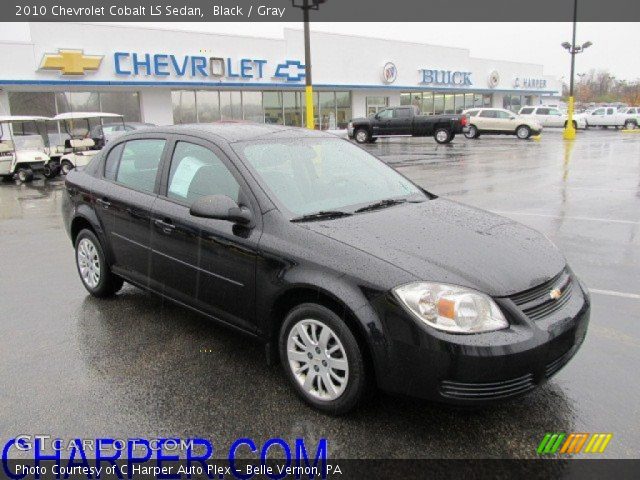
(573, 443)
(550, 443)
(598, 443)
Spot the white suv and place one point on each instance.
(497, 121)
(552, 117)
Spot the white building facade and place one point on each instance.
(164, 76)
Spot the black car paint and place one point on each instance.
(414, 125)
(251, 273)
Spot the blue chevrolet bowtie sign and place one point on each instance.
(197, 66)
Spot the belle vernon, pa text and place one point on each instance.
(152, 11)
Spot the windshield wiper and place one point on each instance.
(381, 204)
(321, 215)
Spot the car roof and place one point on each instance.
(237, 131)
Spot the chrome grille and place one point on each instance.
(537, 303)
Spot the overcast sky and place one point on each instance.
(615, 45)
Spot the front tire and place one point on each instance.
(94, 272)
(66, 166)
(362, 135)
(523, 132)
(630, 125)
(442, 135)
(322, 359)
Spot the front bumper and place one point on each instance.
(482, 368)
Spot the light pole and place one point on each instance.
(573, 49)
(307, 5)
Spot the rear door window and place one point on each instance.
(489, 114)
(139, 164)
(544, 111)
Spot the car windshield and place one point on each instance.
(314, 175)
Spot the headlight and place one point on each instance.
(451, 308)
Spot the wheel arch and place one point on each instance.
(301, 293)
(85, 217)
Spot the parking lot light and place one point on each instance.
(307, 5)
(573, 49)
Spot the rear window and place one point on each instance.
(139, 164)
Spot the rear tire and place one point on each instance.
(24, 174)
(523, 132)
(312, 339)
(442, 135)
(92, 266)
(361, 135)
(50, 171)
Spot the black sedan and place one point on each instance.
(345, 269)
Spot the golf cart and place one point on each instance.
(23, 147)
(85, 136)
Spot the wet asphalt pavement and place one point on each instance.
(135, 366)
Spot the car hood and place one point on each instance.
(444, 241)
(360, 119)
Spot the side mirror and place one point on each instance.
(512, 118)
(377, 116)
(220, 207)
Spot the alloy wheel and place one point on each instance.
(361, 136)
(442, 136)
(317, 359)
(88, 263)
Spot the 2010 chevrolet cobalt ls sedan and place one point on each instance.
(339, 264)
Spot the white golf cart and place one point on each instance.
(24, 146)
(85, 136)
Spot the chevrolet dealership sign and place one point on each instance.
(70, 62)
(197, 66)
(134, 64)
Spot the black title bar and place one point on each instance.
(329, 11)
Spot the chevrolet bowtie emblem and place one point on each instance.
(555, 293)
(70, 62)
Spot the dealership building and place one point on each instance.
(166, 76)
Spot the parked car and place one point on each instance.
(339, 264)
(85, 136)
(611, 117)
(112, 130)
(403, 121)
(23, 147)
(552, 117)
(634, 117)
(497, 121)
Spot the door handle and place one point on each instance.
(165, 225)
(103, 202)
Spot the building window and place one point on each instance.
(343, 109)
(375, 104)
(272, 102)
(207, 107)
(126, 104)
(184, 106)
(511, 102)
(252, 107)
(438, 103)
(49, 104)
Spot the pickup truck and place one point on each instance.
(610, 117)
(403, 121)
